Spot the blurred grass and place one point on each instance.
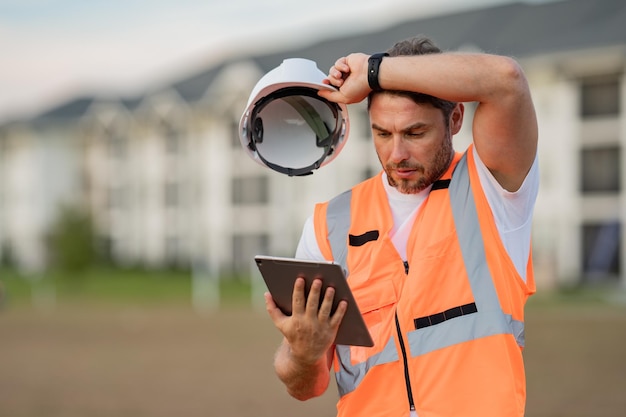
(138, 286)
(115, 286)
(580, 296)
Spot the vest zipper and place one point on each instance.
(405, 361)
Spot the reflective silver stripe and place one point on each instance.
(471, 239)
(350, 376)
(338, 223)
(519, 332)
(458, 330)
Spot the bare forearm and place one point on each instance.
(302, 380)
(460, 77)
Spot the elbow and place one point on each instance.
(512, 75)
(306, 391)
(303, 390)
(302, 395)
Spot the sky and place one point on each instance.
(54, 50)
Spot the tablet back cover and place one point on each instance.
(280, 275)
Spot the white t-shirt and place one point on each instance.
(512, 212)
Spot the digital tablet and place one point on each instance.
(280, 275)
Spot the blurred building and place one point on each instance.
(165, 179)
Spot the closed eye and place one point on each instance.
(381, 133)
(416, 134)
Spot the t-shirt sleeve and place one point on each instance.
(512, 211)
(307, 246)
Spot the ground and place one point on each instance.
(102, 361)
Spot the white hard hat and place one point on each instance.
(286, 126)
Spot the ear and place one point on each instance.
(456, 118)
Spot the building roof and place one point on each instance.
(194, 87)
(520, 29)
(68, 110)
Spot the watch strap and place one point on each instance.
(373, 65)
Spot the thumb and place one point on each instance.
(272, 309)
(334, 96)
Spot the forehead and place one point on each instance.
(384, 106)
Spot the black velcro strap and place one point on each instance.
(440, 185)
(451, 313)
(361, 240)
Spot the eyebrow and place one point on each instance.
(418, 125)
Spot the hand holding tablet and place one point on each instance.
(280, 275)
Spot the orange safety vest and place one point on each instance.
(448, 324)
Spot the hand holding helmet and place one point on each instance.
(349, 75)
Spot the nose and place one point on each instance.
(399, 151)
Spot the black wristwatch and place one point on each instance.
(373, 64)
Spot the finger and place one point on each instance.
(297, 298)
(327, 304)
(333, 80)
(272, 309)
(336, 318)
(342, 66)
(270, 304)
(335, 73)
(332, 71)
(334, 96)
(313, 300)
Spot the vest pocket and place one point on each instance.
(439, 248)
(376, 302)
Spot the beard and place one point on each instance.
(438, 164)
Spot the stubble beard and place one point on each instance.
(438, 165)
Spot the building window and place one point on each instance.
(172, 142)
(245, 247)
(172, 136)
(171, 194)
(600, 97)
(116, 197)
(173, 255)
(601, 250)
(600, 169)
(250, 190)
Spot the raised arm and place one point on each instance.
(504, 126)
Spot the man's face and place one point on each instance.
(413, 141)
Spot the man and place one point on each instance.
(436, 247)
